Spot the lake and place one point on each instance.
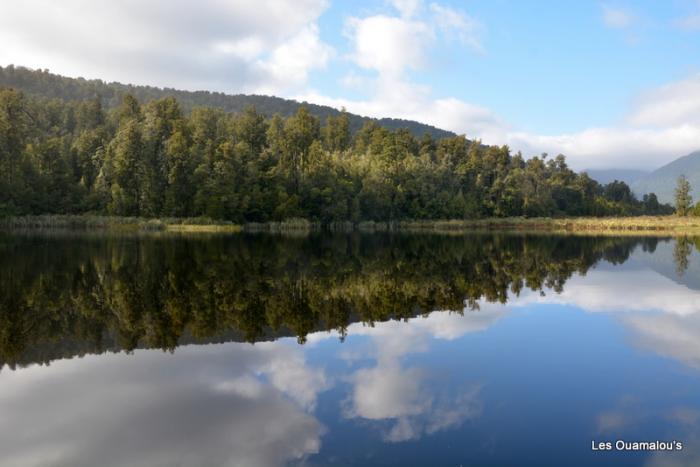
(348, 349)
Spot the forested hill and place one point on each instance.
(46, 84)
(155, 160)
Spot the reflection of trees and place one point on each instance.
(681, 253)
(67, 296)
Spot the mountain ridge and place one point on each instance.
(44, 83)
(605, 176)
(662, 181)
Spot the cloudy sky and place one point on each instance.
(610, 84)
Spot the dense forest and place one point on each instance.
(46, 84)
(155, 160)
(129, 291)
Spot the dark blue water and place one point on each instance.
(559, 343)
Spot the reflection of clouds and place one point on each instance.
(636, 290)
(402, 395)
(381, 392)
(668, 335)
(687, 420)
(684, 415)
(290, 375)
(688, 457)
(205, 406)
(627, 414)
(631, 412)
(390, 392)
(663, 315)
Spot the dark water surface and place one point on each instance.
(164, 350)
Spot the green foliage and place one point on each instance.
(696, 210)
(154, 160)
(684, 200)
(110, 95)
(107, 292)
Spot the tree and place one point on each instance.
(683, 198)
(336, 133)
(158, 160)
(300, 132)
(15, 127)
(696, 210)
(651, 204)
(179, 189)
(125, 154)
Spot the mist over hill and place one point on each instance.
(662, 181)
(628, 176)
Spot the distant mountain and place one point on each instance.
(662, 181)
(605, 176)
(44, 83)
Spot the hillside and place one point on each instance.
(605, 176)
(44, 83)
(662, 181)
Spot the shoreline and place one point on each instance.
(637, 225)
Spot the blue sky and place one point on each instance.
(609, 84)
(552, 66)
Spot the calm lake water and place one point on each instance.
(164, 350)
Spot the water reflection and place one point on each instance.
(63, 296)
(213, 405)
(391, 391)
(418, 350)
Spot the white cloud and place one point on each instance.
(640, 290)
(689, 23)
(677, 130)
(673, 104)
(291, 375)
(291, 62)
(669, 335)
(452, 22)
(617, 18)
(272, 46)
(151, 402)
(210, 44)
(613, 147)
(388, 391)
(389, 45)
(661, 125)
(407, 8)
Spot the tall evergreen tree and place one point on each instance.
(684, 200)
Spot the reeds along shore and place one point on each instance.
(89, 222)
(641, 224)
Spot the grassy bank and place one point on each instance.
(666, 225)
(90, 222)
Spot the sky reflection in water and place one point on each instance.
(614, 354)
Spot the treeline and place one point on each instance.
(153, 160)
(46, 84)
(61, 296)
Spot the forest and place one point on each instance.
(46, 84)
(129, 291)
(154, 159)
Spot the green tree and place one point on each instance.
(336, 133)
(15, 127)
(125, 154)
(682, 196)
(179, 191)
(300, 131)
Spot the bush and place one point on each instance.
(695, 211)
